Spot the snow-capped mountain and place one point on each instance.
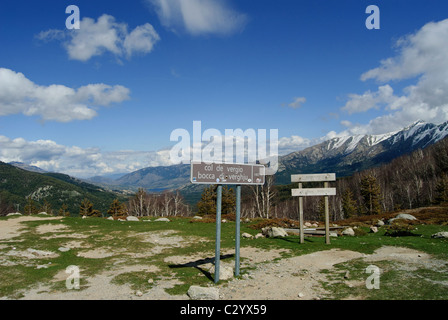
(343, 155)
(346, 155)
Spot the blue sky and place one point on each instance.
(105, 98)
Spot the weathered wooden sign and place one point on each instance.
(306, 192)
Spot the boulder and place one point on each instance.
(163, 220)
(14, 214)
(440, 235)
(274, 232)
(403, 216)
(197, 217)
(379, 223)
(132, 218)
(110, 218)
(247, 235)
(259, 235)
(201, 293)
(348, 232)
(374, 229)
(44, 213)
(225, 272)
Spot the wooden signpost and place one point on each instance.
(306, 192)
(227, 173)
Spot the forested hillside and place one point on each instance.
(47, 191)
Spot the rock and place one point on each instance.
(44, 213)
(84, 217)
(110, 218)
(138, 293)
(380, 223)
(201, 293)
(334, 234)
(348, 232)
(301, 295)
(315, 225)
(440, 235)
(274, 232)
(247, 235)
(14, 214)
(225, 272)
(63, 249)
(163, 220)
(307, 224)
(223, 220)
(197, 217)
(39, 253)
(374, 229)
(132, 218)
(403, 216)
(259, 235)
(347, 275)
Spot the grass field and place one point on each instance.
(142, 256)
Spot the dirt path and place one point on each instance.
(286, 279)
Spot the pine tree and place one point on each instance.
(46, 207)
(63, 211)
(371, 194)
(348, 204)
(86, 209)
(117, 209)
(30, 207)
(442, 190)
(207, 204)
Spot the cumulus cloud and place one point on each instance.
(76, 161)
(94, 38)
(199, 17)
(56, 102)
(421, 56)
(297, 102)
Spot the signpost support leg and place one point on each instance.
(302, 232)
(327, 219)
(237, 231)
(218, 232)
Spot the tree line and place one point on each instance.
(142, 203)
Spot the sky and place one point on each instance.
(105, 98)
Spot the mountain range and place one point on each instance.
(342, 155)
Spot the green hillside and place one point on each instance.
(16, 185)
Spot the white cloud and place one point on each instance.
(199, 16)
(55, 102)
(297, 103)
(420, 56)
(77, 161)
(94, 38)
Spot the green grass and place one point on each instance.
(116, 236)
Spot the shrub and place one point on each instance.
(399, 229)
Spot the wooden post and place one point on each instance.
(327, 218)
(302, 232)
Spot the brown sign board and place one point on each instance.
(227, 173)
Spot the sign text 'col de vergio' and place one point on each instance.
(227, 173)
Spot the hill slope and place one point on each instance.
(17, 184)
